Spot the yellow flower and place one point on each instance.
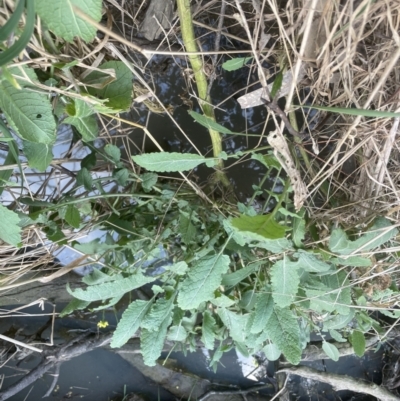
(102, 324)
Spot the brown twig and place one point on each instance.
(57, 356)
(273, 106)
(341, 382)
(234, 392)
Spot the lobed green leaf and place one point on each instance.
(377, 235)
(39, 155)
(152, 342)
(236, 324)
(112, 289)
(262, 312)
(285, 281)
(130, 322)
(284, 331)
(207, 330)
(203, 279)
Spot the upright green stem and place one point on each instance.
(189, 40)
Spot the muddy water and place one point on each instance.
(171, 86)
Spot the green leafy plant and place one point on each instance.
(253, 281)
(246, 281)
(32, 114)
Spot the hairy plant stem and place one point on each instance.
(189, 40)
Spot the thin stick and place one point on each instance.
(21, 344)
(142, 50)
(341, 382)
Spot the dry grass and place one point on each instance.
(351, 52)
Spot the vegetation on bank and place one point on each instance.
(322, 260)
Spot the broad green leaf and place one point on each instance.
(331, 351)
(72, 216)
(113, 152)
(111, 289)
(354, 112)
(285, 281)
(254, 240)
(203, 279)
(393, 313)
(341, 298)
(156, 315)
(109, 304)
(235, 63)
(354, 261)
(337, 336)
(84, 178)
(248, 300)
(376, 236)
(272, 352)
(60, 17)
(263, 225)
(207, 330)
(170, 162)
(284, 331)
(152, 342)
(121, 176)
(120, 91)
(231, 279)
(177, 333)
(157, 289)
(82, 117)
(178, 268)
(242, 349)
(148, 181)
(11, 158)
(321, 301)
(89, 161)
(129, 323)
(187, 229)
(338, 322)
(97, 277)
(364, 321)
(310, 263)
(262, 312)
(39, 155)
(75, 304)
(223, 301)
(10, 231)
(235, 322)
(29, 113)
(209, 123)
(267, 160)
